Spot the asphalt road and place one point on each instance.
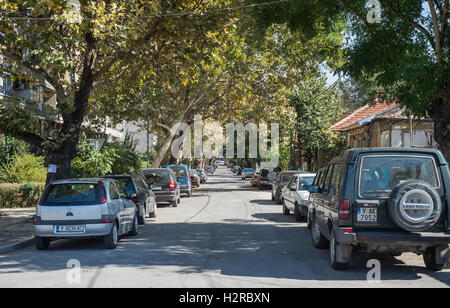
(226, 235)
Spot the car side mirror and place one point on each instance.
(132, 196)
(312, 189)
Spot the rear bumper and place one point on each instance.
(165, 196)
(401, 238)
(92, 230)
(185, 188)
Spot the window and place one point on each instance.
(326, 184)
(156, 176)
(336, 179)
(73, 193)
(305, 181)
(380, 174)
(113, 192)
(385, 142)
(122, 193)
(286, 177)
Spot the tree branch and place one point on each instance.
(437, 36)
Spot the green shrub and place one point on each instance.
(9, 147)
(90, 163)
(23, 169)
(20, 195)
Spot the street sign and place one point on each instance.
(97, 144)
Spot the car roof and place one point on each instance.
(305, 174)
(80, 180)
(351, 155)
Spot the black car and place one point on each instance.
(137, 189)
(163, 183)
(282, 179)
(382, 200)
(266, 176)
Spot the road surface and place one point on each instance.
(227, 235)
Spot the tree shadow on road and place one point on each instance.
(234, 248)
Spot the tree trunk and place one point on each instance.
(440, 112)
(61, 158)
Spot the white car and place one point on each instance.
(294, 197)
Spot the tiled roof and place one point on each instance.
(361, 114)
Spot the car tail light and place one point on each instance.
(135, 199)
(344, 209)
(348, 230)
(172, 185)
(36, 223)
(106, 221)
(104, 199)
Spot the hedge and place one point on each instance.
(20, 195)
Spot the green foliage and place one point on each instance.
(23, 168)
(90, 163)
(20, 195)
(127, 160)
(10, 147)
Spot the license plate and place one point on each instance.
(367, 214)
(70, 229)
(156, 188)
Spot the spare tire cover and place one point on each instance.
(415, 206)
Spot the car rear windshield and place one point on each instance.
(380, 174)
(73, 193)
(180, 172)
(156, 176)
(127, 184)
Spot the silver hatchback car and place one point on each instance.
(81, 208)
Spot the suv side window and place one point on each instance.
(318, 178)
(113, 191)
(322, 179)
(293, 182)
(326, 184)
(122, 193)
(335, 185)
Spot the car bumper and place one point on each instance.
(403, 238)
(165, 196)
(185, 188)
(92, 230)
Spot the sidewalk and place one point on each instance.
(16, 228)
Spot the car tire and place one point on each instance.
(297, 214)
(410, 191)
(41, 243)
(189, 193)
(111, 240)
(273, 198)
(277, 197)
(141, 218)
(174, 203)
(135, 229)
(286, 211)
(318, 239)
(333, 254)
(153, 214)
(429, 258)
(308, 220)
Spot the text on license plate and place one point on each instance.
(70, 229)
(367, 214)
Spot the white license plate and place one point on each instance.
(156, 188)
(367, 214)
(70, 229)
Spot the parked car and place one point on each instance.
(83, 208)
(203, 175)
(255, 178)
(235, 169)
(266, 177)
(219, 162)
(210, 169)
(391, 200)
(195, 178)
(295, 196)
(164, 184)
(280, 182)
(247, 173)
(136, 187)
(183, 178)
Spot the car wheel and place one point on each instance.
(333, 254)
(308, 220)
(112, 238)
(297, 214)
(41, 243)
(153, 214)
(135, 230)
(318, 239)
(189, 193)
(174, 203)
(277, 196)
(141, 219)
(285, 209)
(273, 198)
(429, 258)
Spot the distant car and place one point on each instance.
(163, 183)
(195, 178)
(203, 175)
(235, 169)
(265, 179)
(183, 178)
(277, 186)
(295, 196)
(83, 208)
(247, 173)
(219, 162)
(136, 187)
(210, 169)
(255, 178)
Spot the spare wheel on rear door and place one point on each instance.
(415, 206)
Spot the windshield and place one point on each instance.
(249, 170)
(156, 176)
(305, 181)
(180, 172)
(73, 193)
(380, 174)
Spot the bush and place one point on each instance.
(20, 195)
(90, 163)
(9, 147)
(23, 169)
(127, 160)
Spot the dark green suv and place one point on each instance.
(382, 200)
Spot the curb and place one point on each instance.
(15, 246)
